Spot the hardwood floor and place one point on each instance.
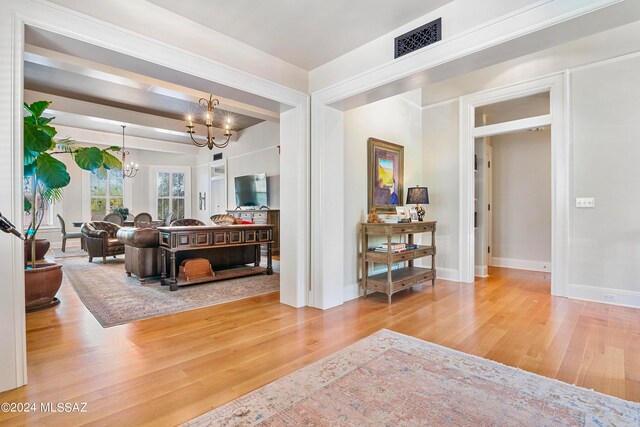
(167, 370)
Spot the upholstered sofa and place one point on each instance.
(142, 256)
(101, 241)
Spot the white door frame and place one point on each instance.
(560, 168)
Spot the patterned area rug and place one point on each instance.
(114, 298)
(390, 379)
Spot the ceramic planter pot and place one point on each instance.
(42, 246)
(41, 285)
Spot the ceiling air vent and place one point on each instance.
(217, 156)
(418, 38)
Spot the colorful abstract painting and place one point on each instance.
(385, 175)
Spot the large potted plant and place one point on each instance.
(47, 177)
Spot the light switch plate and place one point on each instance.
(585, 202)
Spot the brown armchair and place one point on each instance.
(100, 239)
(141, 252)
(186, 222)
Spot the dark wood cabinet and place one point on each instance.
(262, 217)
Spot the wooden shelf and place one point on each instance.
(408, 275)
(405, 274)
(220, 275)
(381, 257)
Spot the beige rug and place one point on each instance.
(70, 252)
(390, 379)
(114, 298)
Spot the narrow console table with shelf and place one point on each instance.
(262, 217)
(408, 275)
(228, 248)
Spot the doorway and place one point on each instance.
(513, 201)
(218, 189)
(545, 108)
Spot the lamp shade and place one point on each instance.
(418, 196)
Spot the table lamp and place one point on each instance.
(417, 195)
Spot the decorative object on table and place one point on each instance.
(223, 219)
(169, 219)
(210, 105)
(122, 211)
(45, 177)
(115, 218)
(128, 170)
(65, 235)
(418, 195)
(391, 379)
(186, 222)
(373, 217)
(385, 175)
(195, 268)
(400, 212)
(413, 214)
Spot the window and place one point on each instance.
(171, 194)
(106, 194)
(47, 219)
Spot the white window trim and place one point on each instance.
(153, 187)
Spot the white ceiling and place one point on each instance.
(306, 33)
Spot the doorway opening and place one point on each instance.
(490, 121)
(513, 201)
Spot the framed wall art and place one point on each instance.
(386, 175)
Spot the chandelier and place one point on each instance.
(210, 105)
(129, 170)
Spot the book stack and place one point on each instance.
(396, 247)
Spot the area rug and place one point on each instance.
(70, 252)
(390, 379)
(114, 298)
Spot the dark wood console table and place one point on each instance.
(229, 248)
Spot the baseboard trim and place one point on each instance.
(481, 271)
(449, 274)
(351, 292)
(521, 264)
(604, 295)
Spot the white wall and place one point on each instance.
(604, 248)
(395, 120)
(521, 205)
(605, 241)
(440, 155)
(256, 151)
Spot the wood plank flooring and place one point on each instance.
(167, 370)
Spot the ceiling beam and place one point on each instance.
(72, 64)
(94, 137)
(88, 115)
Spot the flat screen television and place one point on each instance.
(251, 190)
